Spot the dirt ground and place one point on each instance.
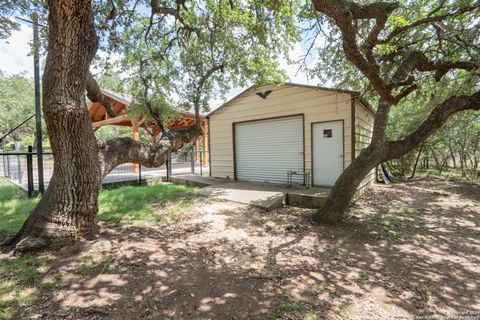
(405, 251)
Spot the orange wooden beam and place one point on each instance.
(197, 149)
(110, 121)
(136, 137)
(205, 142)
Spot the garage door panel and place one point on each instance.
(266, 150)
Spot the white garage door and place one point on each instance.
(265, 150)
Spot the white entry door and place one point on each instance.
(327, 152)
(265, 150)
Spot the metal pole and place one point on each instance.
(30, 171)
(38, 111)
(192, 159)
(140, 174)
(201, 163)
(4, 166)
(19, 171)
(169, 166)
(8, 166)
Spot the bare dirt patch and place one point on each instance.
(405, 250)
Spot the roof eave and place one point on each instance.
(351, 92)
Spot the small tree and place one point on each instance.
(400, 50)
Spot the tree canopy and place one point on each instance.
(177, 55)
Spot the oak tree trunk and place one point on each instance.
(70, 204)
(346, 186)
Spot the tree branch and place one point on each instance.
(372, 39)
(354, 11)
(416, 60)
(435, 120)
(94, 94)
(400, 30)
(117, 151)
(343, 13)
(380, 123)
(158, 9)
(201, 84)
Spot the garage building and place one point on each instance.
(266, 131)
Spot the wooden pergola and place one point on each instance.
(120, 104)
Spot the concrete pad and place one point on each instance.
(261, 194)
(194, 180)
(246, 193)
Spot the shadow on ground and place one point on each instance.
(405, 250)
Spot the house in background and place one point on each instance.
(268, 130)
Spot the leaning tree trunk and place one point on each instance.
(70, 204)
(346, 186)
(381, 150)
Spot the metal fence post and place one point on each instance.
(30, 171)
(4, 166)
(192, 160)
(201, 163)
(170, 166)
(140, 174)
(19, 171)
(8, 166)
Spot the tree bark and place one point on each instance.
(70, 204)
(116, 151)
(346, 185)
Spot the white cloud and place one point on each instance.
(14, 52)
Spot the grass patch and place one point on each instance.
(83, 269)
(144, 204)
(450, 174)
(319, 288)
(361, 278)
(19, 278)
(128, 204)
(348, 308)
(15, 207)
(290, 309)
(406, 211)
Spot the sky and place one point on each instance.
(15, 52)
(15, 58)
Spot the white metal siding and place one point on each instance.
(316, 105)
(265, 150)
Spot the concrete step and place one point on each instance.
(267, 200)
